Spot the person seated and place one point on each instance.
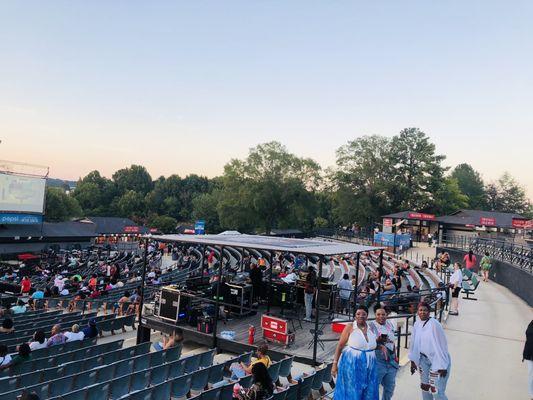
(120, 304)
(39, 340)
(74, 334)
(23, 355)
(7, 326)
(241, 369)
(20, 308)
(290, 278)
(262, 387)
(170, 341)
(5, 358)
(56, 336)
(90, 331)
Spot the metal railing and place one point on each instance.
(512, 253)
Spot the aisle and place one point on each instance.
(485, 343)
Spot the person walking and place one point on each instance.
(456, 282)
(528, 356)
(470, 261)
(309, 293)
(429, 355)
(345, 293)
(354, 363)
(486, 265)
(387, 362)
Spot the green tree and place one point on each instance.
(205, 207)
(95, 193)
(416, 171)
(268, 189)
(134, 178)
(163, 223)
(449, 198)
(131, 205)
(60, 206)
(362, 180)
(471, 184)
(507, 195)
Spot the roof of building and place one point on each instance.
(473, 217)
(49, 229)
(303, 246)
(115, 225)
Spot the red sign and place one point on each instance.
(487, 221)
(528, 224)
(387, 221)
(421, 216)
(519, 223)
(153, 230)
(131, 229)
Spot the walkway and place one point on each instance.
(485, 343)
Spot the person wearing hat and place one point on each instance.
(74, 334)
(90, 331)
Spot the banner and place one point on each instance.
(199, 227)
(426, 217)
(132, 229)
(391, 239)
(519, 223)
(387, 221)
(487, 221)
(20, 219)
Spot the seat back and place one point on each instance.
(206, 358)
(199, 379)
(305, 387)
(216, 373)
(318, 379)
(181, 385)
(192, 363)
(140, 380)
(212, 394)
(159, 374)
(273, 371)
(227, 392)
(119, 387)
(285, 367)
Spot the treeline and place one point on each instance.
(273, 188)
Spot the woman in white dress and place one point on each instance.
(456, 283)
(355, 361)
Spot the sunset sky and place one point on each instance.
(182, 87)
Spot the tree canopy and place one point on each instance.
(274, 188)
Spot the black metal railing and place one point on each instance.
(515, 254)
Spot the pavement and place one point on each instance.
(485, 343)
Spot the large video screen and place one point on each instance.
(21, 194)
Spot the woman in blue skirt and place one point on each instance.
(355, 362)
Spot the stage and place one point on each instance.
(301, 348)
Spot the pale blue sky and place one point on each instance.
(183, 87)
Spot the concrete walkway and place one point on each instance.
(485, 342)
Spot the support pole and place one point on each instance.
(358, 258)
(317, 307)
(242, 259)
(143, 333)
(217, 300)
(204, 263)
(269, 292)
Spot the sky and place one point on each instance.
(183, 87)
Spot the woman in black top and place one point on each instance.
(528, 356)
(262, 387)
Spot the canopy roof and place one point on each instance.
(303, 246)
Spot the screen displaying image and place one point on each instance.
(21, 194)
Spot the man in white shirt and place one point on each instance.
(345, 292)
(428, 353)
(74, 334)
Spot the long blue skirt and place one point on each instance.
(357, 377)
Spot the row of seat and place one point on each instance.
(16, 339)
(30, 327)
(123, 376)
(47, 368)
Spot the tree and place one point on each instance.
(362, 180)
(95, 193)
(449, 197)
(268, 189)
(471, 184)
(131, 205)
(163, 223)
(60, 206)
(205, 208)
(417, 173)
(507, 195)
(134, 178)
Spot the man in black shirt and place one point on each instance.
(256, 277)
